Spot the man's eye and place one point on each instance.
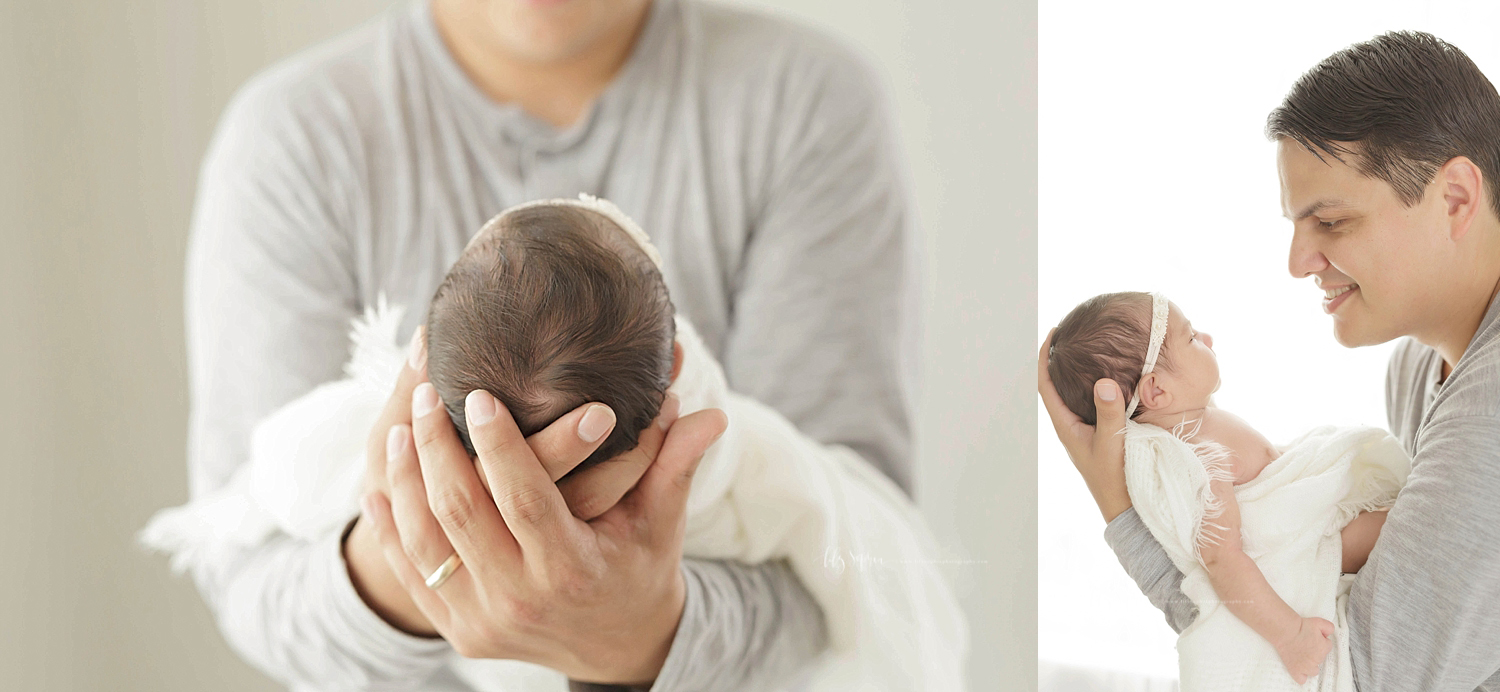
(1330, 224)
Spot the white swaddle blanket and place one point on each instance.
(1291, 515)
(763, 491)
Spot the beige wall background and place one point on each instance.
(105, 109)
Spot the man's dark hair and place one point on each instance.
(1409, 101)
(555, 307)
(1105, 336)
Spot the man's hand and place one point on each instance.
(598, 600)
(1097, 452)
(588, 494)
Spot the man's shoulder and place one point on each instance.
(1474, 387)
(760, 49)
(323, 85)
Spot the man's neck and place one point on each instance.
(1453, 348)
(1452, 337)
(557, 92)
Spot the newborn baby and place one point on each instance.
(1146, 345)
(561, 302)
(549, 307)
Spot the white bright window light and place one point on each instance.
(1155, 175)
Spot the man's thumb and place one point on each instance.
(665, 485)
(1109, 406)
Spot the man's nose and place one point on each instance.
(1305, 258)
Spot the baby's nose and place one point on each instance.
(1208, 340)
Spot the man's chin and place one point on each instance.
(1351, 334)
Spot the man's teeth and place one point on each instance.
(1332, 293)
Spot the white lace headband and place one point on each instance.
(1153, 348)
(591, 203)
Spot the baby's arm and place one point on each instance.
(1359, 537)
(1301, 642)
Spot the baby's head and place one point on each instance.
(550, 307)
(1108, 336)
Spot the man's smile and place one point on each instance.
(1334, 296)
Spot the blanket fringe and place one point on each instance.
(1215, 459)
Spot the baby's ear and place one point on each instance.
(1153, 396)
(676, 358)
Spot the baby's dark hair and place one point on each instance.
(554, 307)
(1105, 336)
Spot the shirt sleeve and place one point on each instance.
(269, 295)
(737, 613)
(1149, 565)
(1422, 611)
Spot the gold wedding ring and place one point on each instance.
(444, 571)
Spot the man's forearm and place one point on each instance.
(288, 608)
(1148, 564)
(744, 627)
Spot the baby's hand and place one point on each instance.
(1304, 652)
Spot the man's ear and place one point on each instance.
(676, 358)
(1462, 186)
(1153, 396)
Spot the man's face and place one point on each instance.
(551, 30)
(1378, 261)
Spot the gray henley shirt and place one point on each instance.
(1424, 611)
(758, 154)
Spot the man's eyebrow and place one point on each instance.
(1318, 206)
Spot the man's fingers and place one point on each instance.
(422, 538)
(453, 492)
(663, 491)
(591, 492)
(569, 440)
(397, 410)
(376, 509)
(1064, 421)
(528, 500)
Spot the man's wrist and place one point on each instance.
(653, 659)
(1112, 503)
(376, 585)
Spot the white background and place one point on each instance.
(105, 109)
(1155, 175)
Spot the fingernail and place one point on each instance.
(416, 352)
(423, 400)
(1107, 391)
(670, 407)
(596, 421)
(479, 407)
(395, 442)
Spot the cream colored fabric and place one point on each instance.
(1291, 516)
(763, 491)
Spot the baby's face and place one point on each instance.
(1195, 368)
